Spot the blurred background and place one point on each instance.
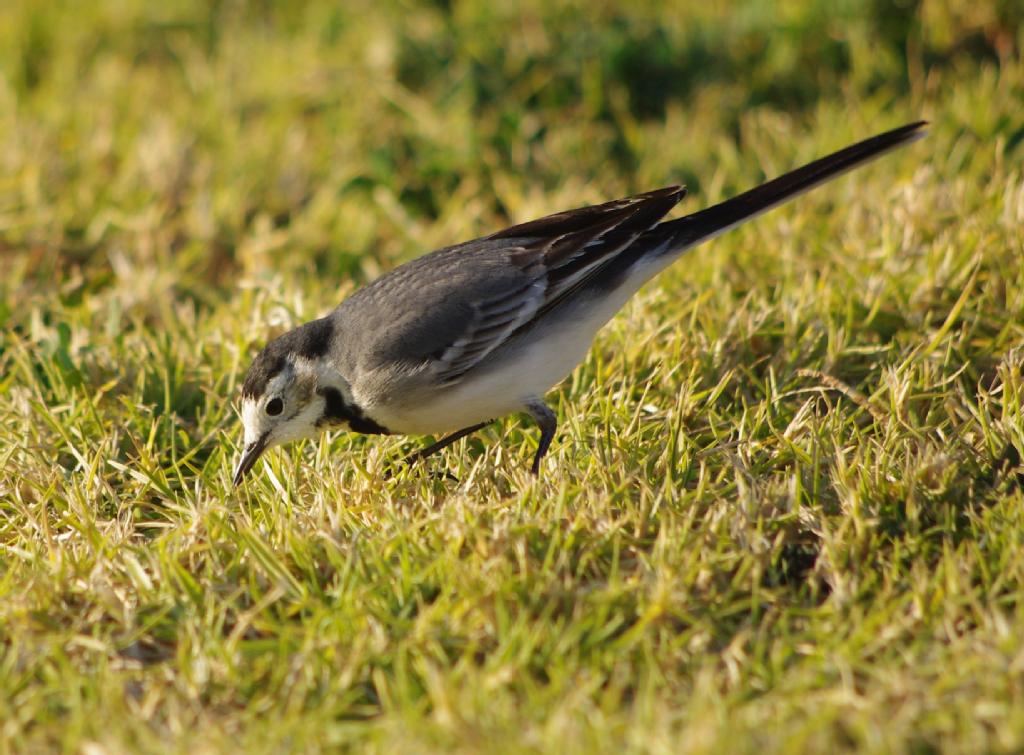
(172, 146)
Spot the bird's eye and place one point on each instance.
(274, 407)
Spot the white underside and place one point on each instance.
(514, 375)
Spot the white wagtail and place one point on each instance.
(457, 338)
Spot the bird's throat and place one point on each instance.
(338, 411)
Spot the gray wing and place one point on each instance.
(446, 311)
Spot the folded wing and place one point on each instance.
(555, 255)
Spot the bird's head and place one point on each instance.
(288, 393)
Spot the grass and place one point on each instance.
(783, 511)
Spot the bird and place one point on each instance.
(463, 336)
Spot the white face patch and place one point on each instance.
(301, 425)
(251, 423)
(303, 406)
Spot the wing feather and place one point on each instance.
(557, 255)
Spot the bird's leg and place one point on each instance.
(442, 444)
(547, 421)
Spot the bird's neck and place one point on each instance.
(340, 408)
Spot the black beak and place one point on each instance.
(249, 456)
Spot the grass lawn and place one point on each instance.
(783, 511)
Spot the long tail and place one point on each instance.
(674, 236)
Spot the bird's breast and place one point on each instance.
(527, 367)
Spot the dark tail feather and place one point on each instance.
(706, 224)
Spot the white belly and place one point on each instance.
(510, 377)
